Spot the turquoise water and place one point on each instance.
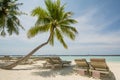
(71, 58)
(108, 58)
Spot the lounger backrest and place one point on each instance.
(49, 60)
(7, 58)
(98, 63)
(56, 60)
(81, 63)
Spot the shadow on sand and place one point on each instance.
(22, 69)
(110, 77)
(54, 72)
(64, 72)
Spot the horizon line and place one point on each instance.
(66, 55)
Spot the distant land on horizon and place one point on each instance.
(67, 55)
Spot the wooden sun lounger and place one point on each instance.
(99, 67)
(58, 60)
(82, 67)
(6, 58)
(55, 62)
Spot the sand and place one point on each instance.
(36, 72)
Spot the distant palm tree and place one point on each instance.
(9, 21)
(54, 20)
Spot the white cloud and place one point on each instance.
(90, 33)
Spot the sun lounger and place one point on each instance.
(55, 62)
(58, 60)
(99, 67)
(6, 58)
(82, 67)
(48, 63)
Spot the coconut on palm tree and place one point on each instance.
(9, 22)
(54, 20)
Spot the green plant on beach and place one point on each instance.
(54, 20)
(9, 21)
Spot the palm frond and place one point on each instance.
(2, 20)
(68, 32)
(71, 28)
(42, 15)
(40, 12)
(52, 39)
(54, 9)
(9, 22)
(49, 6)
(17, 22)
(42, 21)
(12, 26)
(38, 29)
(67, 15)
(60, 38)
(67, 21)
(3, 33)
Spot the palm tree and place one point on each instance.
(9, 21)
(54, 20)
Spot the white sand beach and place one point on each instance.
(36, 72)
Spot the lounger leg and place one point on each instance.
(96, 74)
(44, 65)
(81, 72)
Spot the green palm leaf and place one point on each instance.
(52, 39)
(60, 38)
(9, 22)
(55, 20)
(38, 29)
(40, 12)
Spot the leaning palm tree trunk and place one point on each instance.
(27, 56)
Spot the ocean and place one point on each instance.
(73, 57)
(108, 58)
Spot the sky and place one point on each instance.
(98, 30)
